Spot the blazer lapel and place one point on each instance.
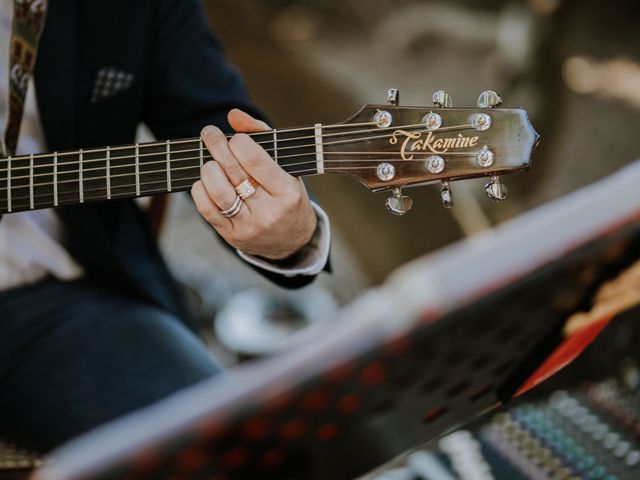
(56, 75)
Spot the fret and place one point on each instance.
(9, 202)
(4, 176)
(169, 165)
(137, 159)
(108, 174)
(185, 163)
(94, 175)
(40, 175)
(123, 172)
(55, 179)
(319, 146)
(297, 151)
(68, 173)
(275, 146)
(154, 163)
(18, 184)
(80, 169)
(201, 152)
(31, 198)
(266, 140)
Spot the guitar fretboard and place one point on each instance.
(76, 177)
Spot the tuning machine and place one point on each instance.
(393, 97)
(489, 99)
(445, 194)
(496, 190)
(397, 203)
(442, 99)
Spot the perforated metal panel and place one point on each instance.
(387, 399)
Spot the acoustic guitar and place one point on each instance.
(384, 147)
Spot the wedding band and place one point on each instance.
(234, 209)
(245, 189)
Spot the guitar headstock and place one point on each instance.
(398, 146)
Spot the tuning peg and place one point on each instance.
(496, 190)
(393, 97)
(489, 99)
(446, 195)
(442, 99)
(398, 204)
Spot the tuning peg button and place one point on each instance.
(442, 99)
(435, 164)
(393, 97)
(432, 121)
(383, 119)
(496, 190)
(484, 158)
(398, 204)
(386, 171)
(446, 195)
(489, 99)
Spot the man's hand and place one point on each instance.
(278, 219)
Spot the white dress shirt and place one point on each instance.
(30, 242)
(30, 246)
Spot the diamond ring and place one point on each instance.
(245, 189)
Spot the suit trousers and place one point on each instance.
(74, 356)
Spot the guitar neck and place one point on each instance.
(384, 147)
(74, 177)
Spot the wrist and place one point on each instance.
(305, 238)
(308, 260)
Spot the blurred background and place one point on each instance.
(573, 64)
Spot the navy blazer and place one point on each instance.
(181, 82)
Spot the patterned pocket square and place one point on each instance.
(110, 81)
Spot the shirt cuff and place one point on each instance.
(309, 260)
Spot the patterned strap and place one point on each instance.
(28, 23)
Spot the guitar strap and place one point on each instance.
(28, 23)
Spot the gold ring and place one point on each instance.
(245, 189)
(234, 209)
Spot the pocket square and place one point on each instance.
(109, 82)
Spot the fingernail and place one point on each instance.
(208, 131)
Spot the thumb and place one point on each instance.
(245, 123)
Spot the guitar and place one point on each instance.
(384, 147)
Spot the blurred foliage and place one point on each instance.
(320, 60)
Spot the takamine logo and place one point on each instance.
(413, 142)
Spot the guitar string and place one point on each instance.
(195, 178)
(163, 181)
(197, 139)
(268, 150)
(85, 152)
(163, 171)
(131, 186)
(154, 172)
(269, 133)
(185, 141)
(143, 192)
(63, 201)
(284, 167)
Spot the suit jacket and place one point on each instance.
(181, 82)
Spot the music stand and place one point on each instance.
(446, 338)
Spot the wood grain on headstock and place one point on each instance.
(406, 144)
